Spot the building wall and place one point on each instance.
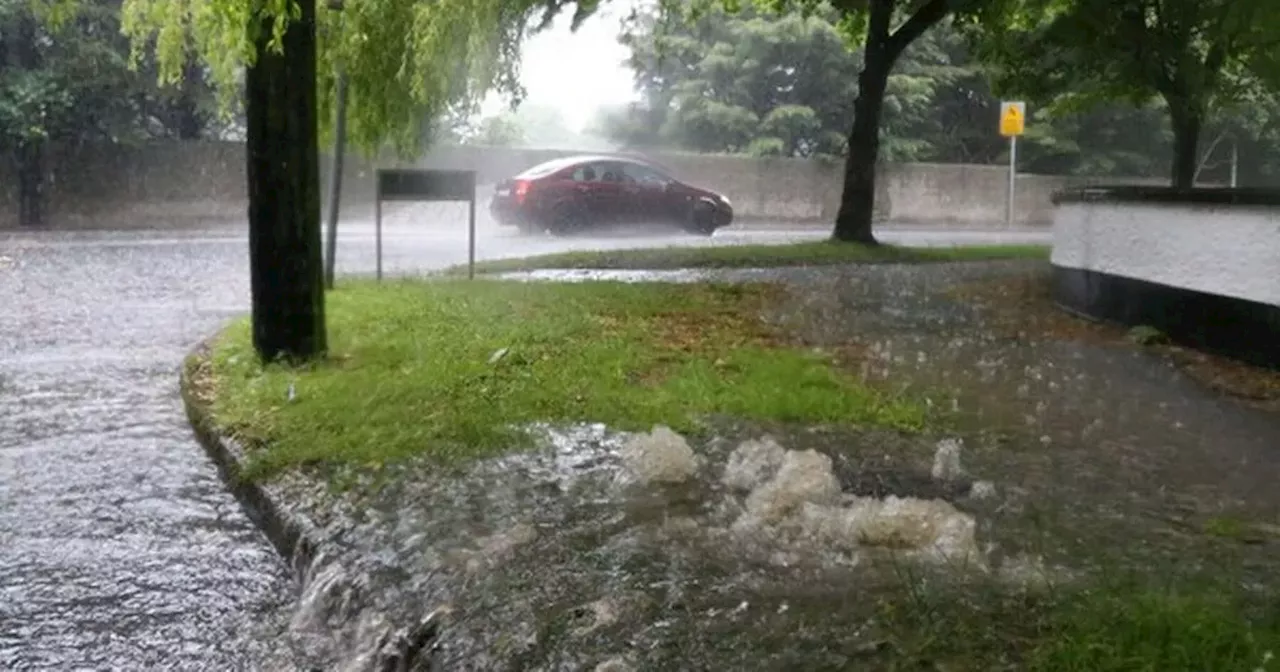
(1202, 273)
(185, 183)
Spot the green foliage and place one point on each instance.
(1206, 61)
(408, 62)
(499, 131)
(940, 105)
(783, 84)
(75, 84)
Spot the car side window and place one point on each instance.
(644, 175)
(611, 173)
(587, 173)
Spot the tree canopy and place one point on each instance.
(1201, 58)
(408, 62)
(76, 85)
(940, 104)
(762, 84)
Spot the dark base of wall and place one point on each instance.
(1245, 330)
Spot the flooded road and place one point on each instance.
(120, 547)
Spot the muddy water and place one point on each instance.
(570, 557)
(1106, 450)
(1099, 450)
(119, 546)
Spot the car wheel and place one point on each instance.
(702, 219)
(568, 218)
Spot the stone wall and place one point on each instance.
(193, 182)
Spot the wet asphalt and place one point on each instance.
(119, 546)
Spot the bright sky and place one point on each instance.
(576, 72)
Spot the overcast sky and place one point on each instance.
(577, 73)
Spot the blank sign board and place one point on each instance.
(408, 184)
(403, 184)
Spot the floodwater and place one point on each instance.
(119, 547)
(1050, 461)
(1100, 446)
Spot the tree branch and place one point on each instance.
(923, 19)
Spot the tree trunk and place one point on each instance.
(857, 198)
(30, 165)
(285, 256)
(1187, 125)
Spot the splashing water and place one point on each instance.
(796, 495)
(753, 463)
(660, 456)
(946, 461)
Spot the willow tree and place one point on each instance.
(406, 63)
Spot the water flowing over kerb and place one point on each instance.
(604, 545)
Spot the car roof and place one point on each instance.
(548, 167)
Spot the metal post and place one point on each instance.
(1235, 161)
(471, 239)
(377, 222)
(335, 179)
(339, 142)
(1013, 173)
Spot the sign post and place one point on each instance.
(402, 184)
(1013, 121)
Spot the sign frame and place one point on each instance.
(426, 186)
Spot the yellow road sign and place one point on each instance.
(1013, 118)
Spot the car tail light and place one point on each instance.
(522, 190)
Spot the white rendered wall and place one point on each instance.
(1219, 249)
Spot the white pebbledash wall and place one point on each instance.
(1230, 251)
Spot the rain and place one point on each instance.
(1055, 450)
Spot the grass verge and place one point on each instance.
(448, 368)
(1109, 626)
(813, 253)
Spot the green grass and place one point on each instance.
(1131, 625)
(410, 370)
(814, 253)
(1156, 631)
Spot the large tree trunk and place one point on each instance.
(30, 165)
(857, 198)
(1187, 124)
(286, 263)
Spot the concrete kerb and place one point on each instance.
(294, 537)
(301, 543)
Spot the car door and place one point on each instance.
(649, 197)
(612, 195)
(596, 192)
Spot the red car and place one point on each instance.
(577, 193)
